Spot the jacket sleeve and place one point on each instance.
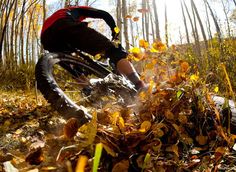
(96, 13)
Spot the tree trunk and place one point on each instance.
(124, 14)
(185, 23)
(200, 24)
(44, 18)
(227, 18)
(3, 30)
(156, 21)
(147, 20)
(118, 17)
(22, 33)
(12, 53)
(166, 28)
(197, 42)
(215, 21)
(234, 2)
(67, 3)
(143, 19)
(208, 23)
(28, 35)
(131, 26)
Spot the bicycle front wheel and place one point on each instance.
(63, 80)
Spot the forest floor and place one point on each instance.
(27, 122)
(31, 135)
(176, 128)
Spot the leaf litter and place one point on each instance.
(173, 126)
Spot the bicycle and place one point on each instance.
(78, 70)
(81, 68)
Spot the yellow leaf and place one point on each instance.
(194, 77)
(117, 30)
(81, 163)
(121, 122)
(153, 50)
(109, 150)
(97, 56)
(145, 126)
(216, 89)
(142, 95)
(149, 66)
(115, 117)
(143, 43)
(159, 46)
(135, 50)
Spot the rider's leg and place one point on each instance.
(126, 68)
(118, 57)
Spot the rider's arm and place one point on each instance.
(96, 13)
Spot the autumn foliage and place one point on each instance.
(173, 125)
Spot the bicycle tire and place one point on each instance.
(54, 94)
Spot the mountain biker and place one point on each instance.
(65, 30)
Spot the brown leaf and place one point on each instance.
(128, 17)
(169, 115)
(174, 149)
(121, 166)
(184, 66)
(70, 128)
(220, 151)
(202, 140)
(143, 10)
(35, 157)
(135, 19)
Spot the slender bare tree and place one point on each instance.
(9, 4)
(157, 25)
(118, 16)
(185, 23)
(218, 30)
(234, 2)
(166, 27)
(226, 11)
(208, 23)
(200, 23)
(125, 24)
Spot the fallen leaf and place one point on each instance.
(173, 148)
(202, 140)
(145, 126)
(70, 128)
(121, 166)
(35, 157)
(81, 163)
